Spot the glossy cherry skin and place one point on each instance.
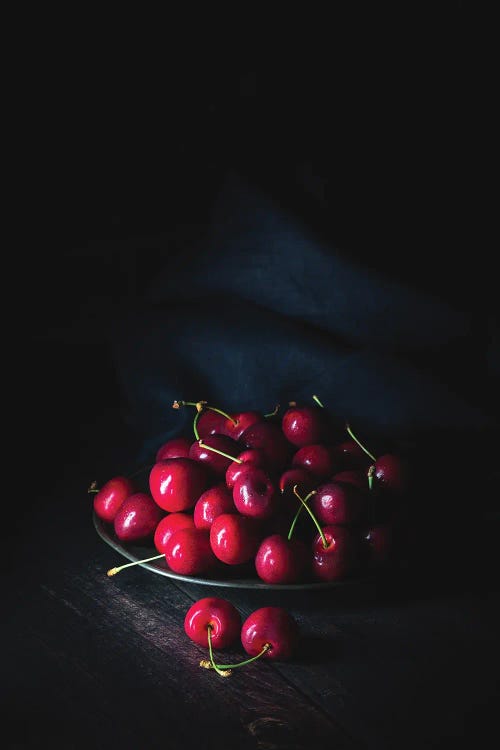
(210, 423)
(268, 438)
(274, 626)
(392, 473)
(248, 457)
(137, 518)
(168, 525)
(240, 421)
(109, 499)
(234, 538)
(188, 552)
(340, 557)
(177, 447)
(176, 483)
(281, 560)
(357, 477)
(297, 476)
(317, 459)
(214, 461)
(255, 495)
(377, 545)
(339, 503)
(304, 425)
(220, 615)
(349, 455)
(211, 503)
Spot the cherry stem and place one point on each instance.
(114, 571)
(195, 425)
(200, 405)
(93, 487)
(323, 538)
(350, 432)
(274, 412)
(217, 667)
(221, 453)
(224, 672)
(371, 472)
(315, 398)
(299, 511)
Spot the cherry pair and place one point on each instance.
(268, 632)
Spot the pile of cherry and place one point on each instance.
(285, 499)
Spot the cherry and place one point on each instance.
(270, 632)
(304, 425)
(281, 560)
(177, 447)
(268, 438)
(255, 495)
(168, 525)
(377, 544)
(177, 483)
(237, 423)
(391, 472)
(188, 552)
(109, 499)
(137, 518)
(339, 503)
(356, 477)
(234, 538)
(335, 553)
(317, 459)
(214, 618)
(211, 503)
(215, 451)
(208, 420)
(349, 455)
(297, 476)
(248, 457)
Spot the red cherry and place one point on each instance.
(210, 423)
(316, 459)
(255, 495)
(304, 425)
(177, 447)
(214, 459)
(248, 457)
(239, 422)
(234, 538)
(377, 544)
(188, 552)
(212, 503)
(338, 559)
(168, 525)
(356, 477)
(281, 560)
(268, 438)
(339, 503)
(177, 483)
(271, 630)
(137, 518)
(350, 455)
(392, 473)
(298, 476)
(216, 614)
(110, 497)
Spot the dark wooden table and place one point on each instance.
(93, 661)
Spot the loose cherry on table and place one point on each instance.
(213, 621)
(267, 633)
(109, 498)
(177, 483)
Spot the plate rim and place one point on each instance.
(102, 529)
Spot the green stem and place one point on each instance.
(114, 571)
(266, 647)
(299, 511)
(323, 538)
(371, 472)
(195, 425)
(224, 672)
(274, 412)
(350, 432)
(221, 453)
(315, 398)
